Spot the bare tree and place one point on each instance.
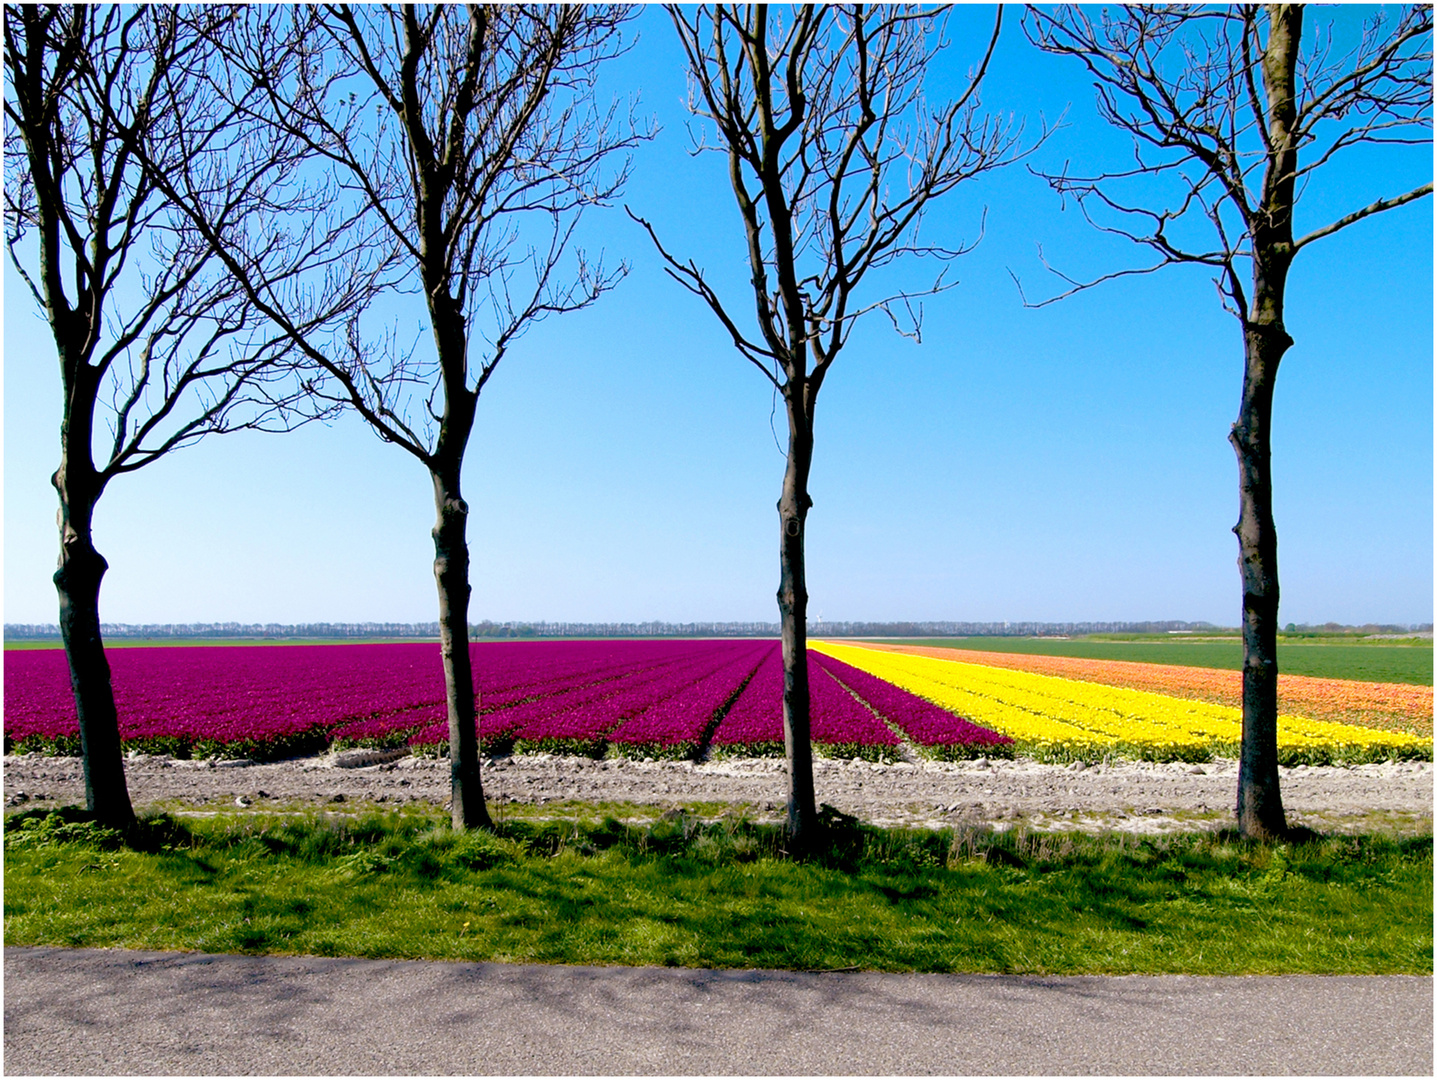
(1231, 119)
(153, 339)
(467, 142)
(833, 155)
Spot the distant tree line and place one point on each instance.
(21, 631)
(487, 629)
(997, 629)
(1365, 628)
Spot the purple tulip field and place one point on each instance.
(668, 699)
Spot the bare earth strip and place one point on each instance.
(78, 1011)
(1389, 706)
(1133, 796)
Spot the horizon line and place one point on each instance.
(652, 628)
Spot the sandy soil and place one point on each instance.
(1134, 796)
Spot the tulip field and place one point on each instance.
(1390, 706)
(667, 699)
(663, 699)
(1053, 718)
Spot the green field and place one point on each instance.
(583, 887)
(1370, 662)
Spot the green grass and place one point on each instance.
(677, 890)
(1374, 662)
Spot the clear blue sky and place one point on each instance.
(1068, 463)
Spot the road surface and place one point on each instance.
(92, 1011)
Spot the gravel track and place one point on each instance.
(1132, 796)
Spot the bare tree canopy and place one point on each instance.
(157, 347)
(1194, 90)
(833, 155)
(465, 144)
(134, 295)
(1231, 118)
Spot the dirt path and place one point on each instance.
(1135, 796)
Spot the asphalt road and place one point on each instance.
(70, 1011)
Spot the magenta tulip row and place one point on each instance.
(658, 709)
(519, 699)
(937, 731)
(277, 700)
(839, 725)
(664, 699)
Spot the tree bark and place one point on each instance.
(793, 506)
(451, 575)
(77, 580)
(1259, 798)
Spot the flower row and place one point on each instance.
(839, 725)
(1390, 706)
(1063, 719)
(659, 709)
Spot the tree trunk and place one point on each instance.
(77, 580)
(1265, 340)
(1259, 799)
(793, 507)
(451, 574)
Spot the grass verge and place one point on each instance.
(681, 890)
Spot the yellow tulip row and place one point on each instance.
(1053, 718)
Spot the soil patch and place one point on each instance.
(1132, 796)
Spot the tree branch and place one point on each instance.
(1367, 211)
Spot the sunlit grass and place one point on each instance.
(680, 890)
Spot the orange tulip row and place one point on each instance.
(1385, 706)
